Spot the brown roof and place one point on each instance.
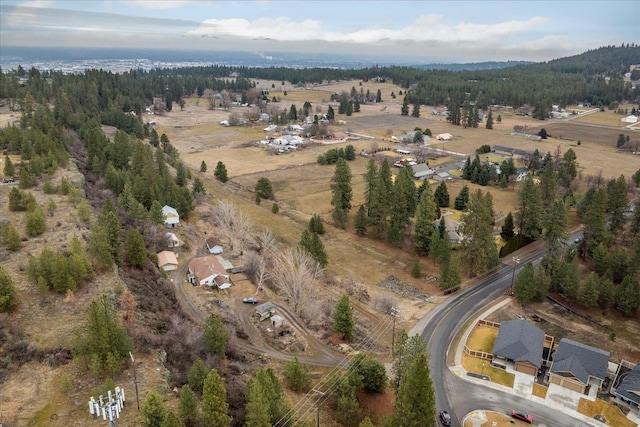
(212, 241)
(167, 257)
(206, 266)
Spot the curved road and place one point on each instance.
(456, 395)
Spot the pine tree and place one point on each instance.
(171, 420)
(370, 177)
(198, 187)
(594, 220)
(297, 375)
(489, 124)
(9, 169)
(343, 321)
(264, 189)
(556, 228)
(442, 195)
(197, 374)
(425, 216)
(135, 249)
(257, 406)
(549, 183)
(155, 213)
(479, 245)
(214, 402)
(617, 204)
(440, 248)
(404, 110)
(450, 278)
(507, 231)
(36, 223)
(628, 296)
(589, 292)
(221, 172)
(215, 336)
(416, 271)
(530, 209)
(415, 112)
(9, 237)
(415, 399)
(203, 166)
(341, 182)
(152, 411)
(360, 221)
(188, 407)
(462, 199)
(8, 296)
(316, 225)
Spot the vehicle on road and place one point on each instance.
(445, 418)
(250, 300)
(522, 416)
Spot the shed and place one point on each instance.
(213, 246)
(167, 261)
(265, 310)
(172, 240)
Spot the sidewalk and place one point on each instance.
(558, 398)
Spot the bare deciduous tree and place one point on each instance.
(295, 275)
(210, 96)
(234, 226)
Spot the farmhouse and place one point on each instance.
(167, 261)
(213, 246)
(578, 367)
(422, 171)
(520, 342)
(205, 271)
(171, 217)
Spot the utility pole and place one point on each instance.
(135, 379)
(395, 313)
(516, 261)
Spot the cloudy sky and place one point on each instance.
(427, 31)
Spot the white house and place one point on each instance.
(629, 119)
(167, 261)
(171, 217)
(205, 271)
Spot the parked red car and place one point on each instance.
(522, 416)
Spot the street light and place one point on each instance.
(516, 261)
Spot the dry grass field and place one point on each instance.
(482, 338)
(482, 366)
(612, 414)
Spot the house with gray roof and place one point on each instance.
(578, 367)
(628, 388)
(422, 171)
(520, 342)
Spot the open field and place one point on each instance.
(482, 338)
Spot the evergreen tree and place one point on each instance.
(366, 422)
(556, 228)
(198, 187)
(155, 213)
(462, 199)
(508, 227)
(350, 152)
(104, 340)
(214, 401)
(425, 216)
(203, 166)
(264, 189)
(316, 225)
(343, 321)
(36, 223)
(339, 215)
(617, 204)
(415, 112)
(330, 114)
(135, 249)
(589, 291)
(404, 110)
(442, 195)
(489, 124)
(594, 220)
(9, 169)
(416, 271)
(529, 215)
(152, 411)
(341, 184)
(188, 407)
(215, 336)
(403, 198)
(297, 375)
(257, 406)
(221, 172)
(628, 296)
(171, 420)
(549, 184)
(8, 296)
(360, 221)
(480, 248)
(415, 399)
(370, 177)
(9, 237)
(197, 373)
(450, 278)
(440, 248)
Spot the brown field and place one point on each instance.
(497, 375)
(612, 413)
(482, 338)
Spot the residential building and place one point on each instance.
(628, 389)
(422, 171)
(167, 261)
(213, 246)
(578, 367)
(520, 342)
(205, 270)
(171, 217)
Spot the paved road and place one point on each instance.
(459, 396)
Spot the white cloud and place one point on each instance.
(165, 4)
(426, 28)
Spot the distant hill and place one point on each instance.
(472, 66)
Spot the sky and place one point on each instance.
(425, 31)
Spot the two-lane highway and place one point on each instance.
(459, 396)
